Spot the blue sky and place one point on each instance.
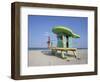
(40, 27)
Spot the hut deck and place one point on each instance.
(54, 50)
(64, 49)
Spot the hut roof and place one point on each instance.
(65, 31)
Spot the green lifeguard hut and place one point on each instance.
(63, 35)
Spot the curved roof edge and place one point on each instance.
(64, 30)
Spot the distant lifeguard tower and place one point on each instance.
(63, 35)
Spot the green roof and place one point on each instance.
(65, 31)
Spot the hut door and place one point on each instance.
(67, 42)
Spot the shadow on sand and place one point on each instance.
(57, 54)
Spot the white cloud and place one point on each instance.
(46, 34)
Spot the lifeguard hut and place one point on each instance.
(63, 35)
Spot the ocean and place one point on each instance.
(48, 49)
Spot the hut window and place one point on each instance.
(60, 37)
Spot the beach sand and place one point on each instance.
(45, 58)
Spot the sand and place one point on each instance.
(45, 58)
